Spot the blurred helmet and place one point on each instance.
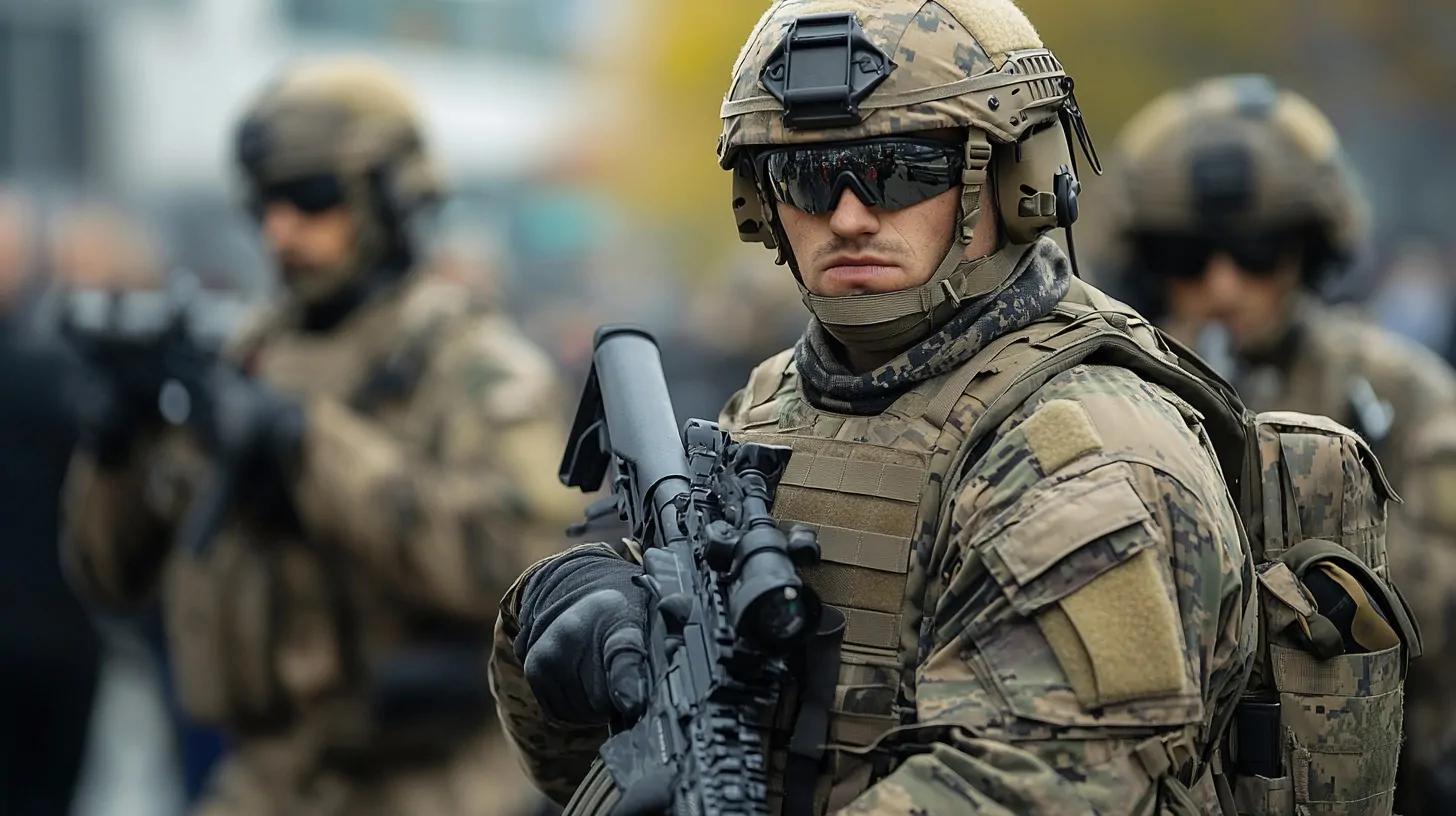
(349, 119)
(1236, 156)
(977, 66)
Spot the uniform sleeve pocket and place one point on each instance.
(1064, 540)
(1092, 637)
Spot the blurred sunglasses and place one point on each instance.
(889, 173)
(1187, 256)
(310, 195)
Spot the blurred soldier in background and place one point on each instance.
(1237, 203)
(370, 454)
(49, 650)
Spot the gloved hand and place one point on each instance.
(107, 415)
(582, 638)
(248, 422)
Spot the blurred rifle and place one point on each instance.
(727, 606)
(160, 347)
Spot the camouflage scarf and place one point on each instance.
(1039, 283)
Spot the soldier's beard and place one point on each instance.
(313, 283)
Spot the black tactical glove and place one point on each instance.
(247, 422)
(107, 415)
(581, 640)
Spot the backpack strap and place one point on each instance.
(396, 374)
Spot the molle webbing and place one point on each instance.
(863, 500)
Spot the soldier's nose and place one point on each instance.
(852, 217)
(1222, 280)
(280, 222)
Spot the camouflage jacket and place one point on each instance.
(413, 506)
(1074, 616)
(1411, 405)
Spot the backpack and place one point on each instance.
(1318, 728)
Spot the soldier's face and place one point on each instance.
(1253, 307)
(860, 250)
(305, 244)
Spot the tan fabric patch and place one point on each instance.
(1066, 644)
(998, 25)
(1060, 432)
(1128, 630)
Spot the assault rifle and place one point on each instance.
(727, 604)
(160, 346)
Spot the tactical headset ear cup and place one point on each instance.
(1068, 191)
(406, 186)
(1029, 196)
(750, 209)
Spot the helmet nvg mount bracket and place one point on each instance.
(822, 69)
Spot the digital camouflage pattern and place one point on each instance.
(415, 508)
(1341, 711)
(1333, 352)
(1062, 624)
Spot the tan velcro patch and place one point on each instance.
(1123, 628)
(998, 25)
(1057, 628)
(1059, 433)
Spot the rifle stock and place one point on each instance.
(727, 604)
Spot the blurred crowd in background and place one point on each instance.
(579, 138)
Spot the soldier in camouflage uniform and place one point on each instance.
(391, 443)
(1236, 203)
(1055, 619)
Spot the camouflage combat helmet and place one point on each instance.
(355, 119)
(912, 66)
(1238, 154)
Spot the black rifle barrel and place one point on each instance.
(643, 426)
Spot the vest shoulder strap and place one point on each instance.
(767, 376)
(396, 374)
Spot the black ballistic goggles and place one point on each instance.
(1187, 256)
(889, 173)
(310, 195)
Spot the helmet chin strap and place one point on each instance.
(893, 321)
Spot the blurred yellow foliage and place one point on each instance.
(661, 159)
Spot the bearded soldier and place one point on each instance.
(374, 453)
(1237, 204)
